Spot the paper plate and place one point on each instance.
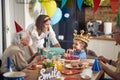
(32, 67)
(69, 72)
(69, 66)
(70, 78)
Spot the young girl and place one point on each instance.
(80, 44)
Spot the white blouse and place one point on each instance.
(38, 41)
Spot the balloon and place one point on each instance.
(50, 7)
(36, 10)
(66, 13)
(56, 17)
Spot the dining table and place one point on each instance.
(35, 73)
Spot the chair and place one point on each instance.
(0, 62)
(91, 54)
(1, 74)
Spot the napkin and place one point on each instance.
(86, 74)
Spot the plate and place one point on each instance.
(32, 67)
(68, 61)
(68, 72)
(72, 58)
(70, 78)
(90, 64)
(70, 67)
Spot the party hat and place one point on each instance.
(96, 66)
(9, 64)
(18, 27)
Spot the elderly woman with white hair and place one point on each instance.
(16, 54)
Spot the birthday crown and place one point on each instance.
(81, 36)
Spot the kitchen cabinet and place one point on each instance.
(105, 48)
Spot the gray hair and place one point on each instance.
(18, 36)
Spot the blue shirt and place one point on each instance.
(80, 53)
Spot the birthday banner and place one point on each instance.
(94, 4)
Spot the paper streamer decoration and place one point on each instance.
(114, 5)
(63, 3)
(36, 10)
(79, 4)
(96, 5)
(18, 27)
(96, 66)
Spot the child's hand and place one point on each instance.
(66, 55)
(70, 51)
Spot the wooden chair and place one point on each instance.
(0, 62)
(91, 54)
(1, 74)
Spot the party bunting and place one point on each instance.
(118, 19)
(63, 3)
(79, 3)
(114, 5)
(96, 5)
(69, 4)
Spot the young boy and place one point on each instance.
(80, 43)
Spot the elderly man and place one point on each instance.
(16, 54)
(115, 75)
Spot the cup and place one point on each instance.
(58, 65)
(108, 28)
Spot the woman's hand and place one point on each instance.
(40, 58)
(103, 59)
(102, 65)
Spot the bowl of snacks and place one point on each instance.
(14, 76)
(71, 59)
